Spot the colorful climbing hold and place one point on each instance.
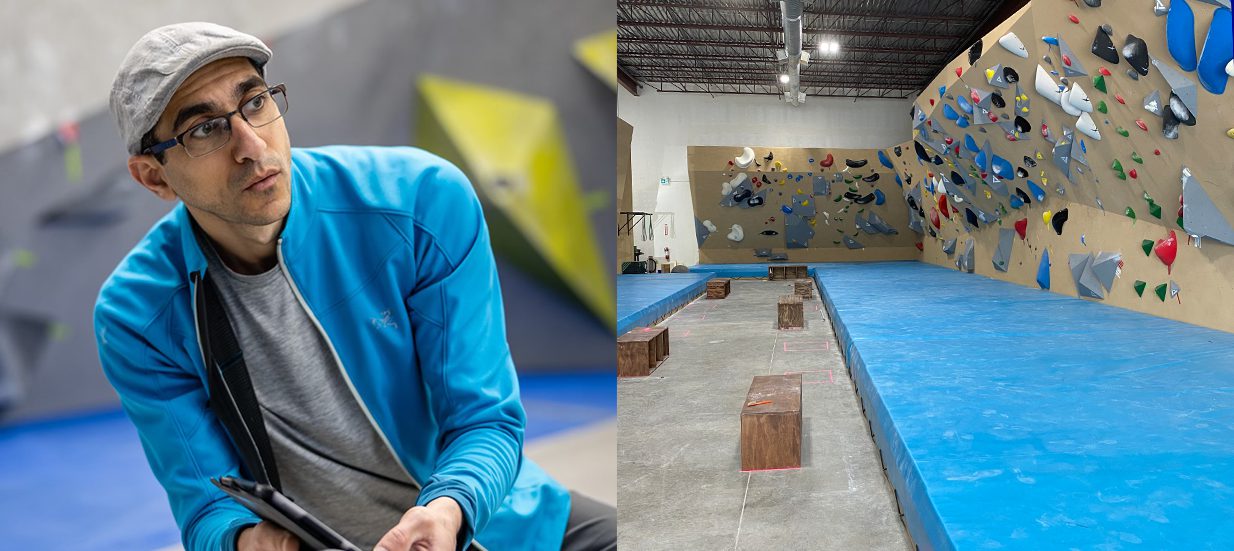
(1139, 287)
(1132, 173)
(1140, 123)
(1045, 217)
(1166, 250)
(1137, 158)
(1119, 97)
(1099, 82)
(1155, 210)
(1147, 245)
(959, 71)
(1122, 132)
(1101, 107)
(1130, 213)
(1073, 18)
(1021, 227)
(1160, 290)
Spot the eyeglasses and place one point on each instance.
(210, 136)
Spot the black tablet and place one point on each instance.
(275, 507)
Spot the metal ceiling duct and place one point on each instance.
(790, 16)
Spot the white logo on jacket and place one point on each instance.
(384, 321)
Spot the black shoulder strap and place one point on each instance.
(231, 390)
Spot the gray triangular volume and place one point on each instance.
(997, 78)
(1086, 284)
(1021, 105)
(821, 185)
(881, 225)
(1183, 87)
(852, 243)
(1152, 103)
(1202, 216)
(1105, 266)
(966, 260)
(949, 246)
(1002, 255)
(1219, 3)
(1062, 154)
(862, 225)
(700, 231)
(1077, 150)
(762, 253)
(1076, 68)
(1174, 289)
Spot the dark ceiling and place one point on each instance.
(888, 48)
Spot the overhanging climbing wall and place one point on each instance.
(1082, 149)
(764, 204)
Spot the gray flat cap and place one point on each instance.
(160, 62)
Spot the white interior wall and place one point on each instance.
(666, 123)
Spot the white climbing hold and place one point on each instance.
(1014, 45)
(1087, 127)
(736, 233)
(746, 157)
(709, 225)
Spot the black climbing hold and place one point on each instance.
(1136, 52)
(855, 164)
(756, 201)
(770, 232)
(897, 150)
(1022, 126)
(1103, 47)
(1180, 110)
(1010, 75)
(974, 52)
(1023, 196)
(955, 177)
(1169, 127)
(1021, 172)
(1058, 220)
(858, 198)
(769, 157)
(938, 160)
(871, 178)
(1093, 3)
(998, 101)
(741, 195)
(1029, 162)
(971, 217)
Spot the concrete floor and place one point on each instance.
(678, 460)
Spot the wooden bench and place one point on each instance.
(803, 288)
(771, 430)
(791, 312)
(786, 272)
(718, 288)
(641, 350)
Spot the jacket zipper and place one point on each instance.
(339, 361)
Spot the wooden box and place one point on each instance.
(641, 350)
(791, 312)
(718, 288)
(803, 288)
(786, 272)
(771, 431)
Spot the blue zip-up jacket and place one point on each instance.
(370, 230)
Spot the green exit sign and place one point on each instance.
(664, 181)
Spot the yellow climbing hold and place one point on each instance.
(598, 53)
(987, 194)
(1045, 216)
(989, 74)
(779, 166)
(804, 203)
(1230, 132)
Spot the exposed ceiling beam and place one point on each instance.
(756, 59)
(899, 16)
(771, 73)
(748, 28)
(769, 46)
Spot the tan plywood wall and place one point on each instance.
(1095, 197)
(709, 169)
(625, 196)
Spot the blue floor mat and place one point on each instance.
(644, 298)
(82, 482)
(1015, 418)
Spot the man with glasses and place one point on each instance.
(326, 321)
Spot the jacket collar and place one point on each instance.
(299, 218)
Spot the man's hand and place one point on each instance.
(433, 527)
(265, 536)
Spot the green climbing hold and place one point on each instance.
(23, 258)
(1160, 290)
(859, 211)
(1099, 82)
(1117, 165)
(852, 189)
(1155, 210)
(836, 242)
(1148, 197)
(1122, 132)
(1147, 245)
(1130, 213)
(1139, 287)
(1180, 223)
(838, 199)
(1137, 158)
(1101, 107)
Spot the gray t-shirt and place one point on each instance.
(330, 459)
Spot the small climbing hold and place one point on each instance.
(828, 160)
(1099, 82)
(1122, 132)
(1230, 133)
(1104, 71)
(1147, 245)
(1139, 287)
(1101, 106)
(1156, 152)
(1120, 99)
(1130, 213)
(1045, 217)
(1155, 210)
(1021, 227)
(1137, 158)
(1140, 123)
(1058, 220)
(1160, 290)
(1132, 174)
(1073, 18)
(959, 71)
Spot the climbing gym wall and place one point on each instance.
(1085, 148)
(759, 204)
(625, 195)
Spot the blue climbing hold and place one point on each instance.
(949, 112)
(1180, 34)
(1036, 190)
(965, 106)
(899, 182)
(879, 197)
(962, 122)
(1218, 51)
(1016, 203)
(970, 144)
(882, 158)
(786, 209)
(1043, 270)
(1051, 40)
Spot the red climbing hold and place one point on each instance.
(931, 102)
(920, 247)
(1009, 138)
(1156, 152)
(1166, 250)
(959, 71)
(730, 163)
(1066, 60)
(1073, 18)
(1132, 173)
(1104, 71)
(1021, 227)
(1141, 124)
(827, 161)
(1045, 131)
(1120, 99)
(942, 205)
(993, 117)
(934, 219)
(949, 140)
(957, 149)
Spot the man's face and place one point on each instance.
(220, 184)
